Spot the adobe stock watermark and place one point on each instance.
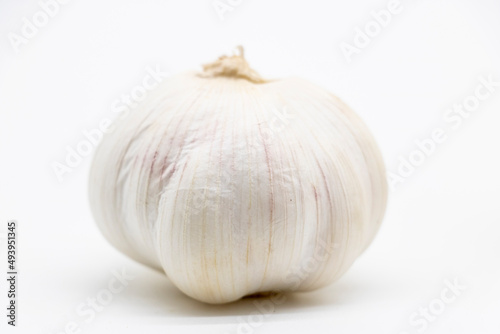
(265, 308)
(420, 320)
(453, 118)
(221, 7)
(121, 106)
(85, 312)
(31, 27)
(363, 36)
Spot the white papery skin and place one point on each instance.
(235, 186)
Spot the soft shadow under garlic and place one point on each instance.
(153, 296)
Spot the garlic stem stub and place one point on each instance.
(234, 185)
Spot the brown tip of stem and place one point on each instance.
(234, 66)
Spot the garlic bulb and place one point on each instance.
(234, 185)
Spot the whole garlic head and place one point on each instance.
(234, 185)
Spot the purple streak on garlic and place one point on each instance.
(232, 184)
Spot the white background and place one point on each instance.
(442, 223)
